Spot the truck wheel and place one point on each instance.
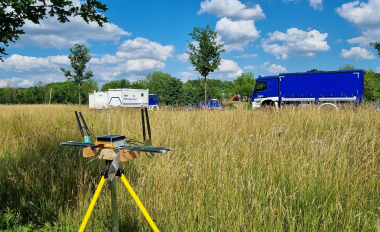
(329, 105)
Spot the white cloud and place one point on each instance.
(25, 83)
(338, 41)
(247, 56)
(18, 63)
(141, 48)
(250, 67)
(184, 57)
(232, 9)
(295, 41)
(9, 81)
(236, 33)
(53, 34)
(273, 68)
(357, 53)
(316, 4)
(142, 65)
(228, 68)
(378, 69)
(187, 75)
(363, 15)
(367, 37)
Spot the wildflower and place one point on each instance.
(307, 164)
(191, 165)
(274, 124)
(251, 135)
(184, 174)
(191, 170)
(283, 124)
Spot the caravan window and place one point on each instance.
(151, 98)
(142, 95)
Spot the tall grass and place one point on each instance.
(232, 170)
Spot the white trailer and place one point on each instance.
(98, 100)
(135, 97)
(122, 98)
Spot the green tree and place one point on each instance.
(168, 88)
(245, 84)
(376, 45)
(371, 85)
(206, 56)
(14, 14)
(314, 70)
(78, 60)
(347, 67)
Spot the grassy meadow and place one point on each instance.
(298, 169)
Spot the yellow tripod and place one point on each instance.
(119, 173)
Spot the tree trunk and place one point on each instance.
(79, 93)
(205, 93)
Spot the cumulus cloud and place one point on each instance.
(236, 28)
(366, 37)
(316, 4)
(236, 31)
(357, 53)
(184, 57)
(134, 58)
(295, 41)
(18, 63)
(250, 67)
(232, 9)
(236, 34)
(53, 34)
(378, 69)
(141, 48)
(247, 56)
(273, 68)
(228, 68)
(365, 16)
(9, 82)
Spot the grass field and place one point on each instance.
(232, 170)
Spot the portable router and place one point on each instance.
(110, 141)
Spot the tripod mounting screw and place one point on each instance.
(104, 172)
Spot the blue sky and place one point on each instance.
(265, 37)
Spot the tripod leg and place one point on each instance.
(92, 204)
(138, 202)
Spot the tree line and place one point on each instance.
(171, 90)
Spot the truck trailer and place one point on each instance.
(123, 98)
(309, 87)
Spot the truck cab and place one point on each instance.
(153, 101)
(265, 91)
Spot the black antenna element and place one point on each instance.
(147, 122)
(84, 123)
(79, 125)
(143, 123)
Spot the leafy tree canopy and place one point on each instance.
(205, 55)
(78, 59)
(14, 13)
(118, 84)
(347, 67)
(314, 70)
(245, 84)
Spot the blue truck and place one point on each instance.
(212, 104)
(309, 87)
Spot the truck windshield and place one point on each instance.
(260, 86)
